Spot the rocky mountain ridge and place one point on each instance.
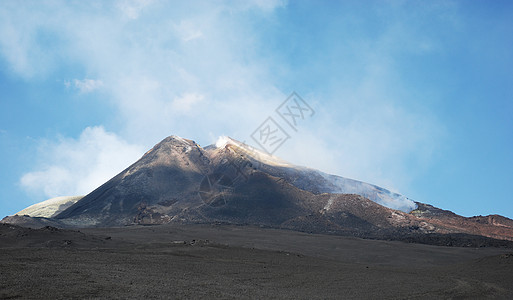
(178, 181)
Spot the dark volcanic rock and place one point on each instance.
(33, 222)
(166, 174)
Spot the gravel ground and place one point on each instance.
(201, 261)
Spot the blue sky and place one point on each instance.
(414, 96)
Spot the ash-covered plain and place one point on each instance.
(248, 262)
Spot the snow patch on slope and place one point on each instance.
(50, 207)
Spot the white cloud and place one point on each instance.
(132, 8)
(85, 85)
(187, 31)
(158, 63)
(194, 70)
(76, 167)
(265, 5)
(25, 57)
(186, 102)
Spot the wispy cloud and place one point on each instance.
(187, 31)
(76, 167)
(85, 85)
(187, 102)
(132, 8)
(197, 70)
(184, 74)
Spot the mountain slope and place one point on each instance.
(50, 207)
(313, 180)
(168, 172)
(166, 185)
(178, 181)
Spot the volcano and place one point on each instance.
(178, 181)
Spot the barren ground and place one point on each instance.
(204, 261)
